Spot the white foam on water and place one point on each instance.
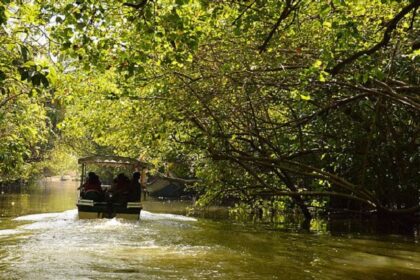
(48, 220)
(68, 219)
(113, 223)
(9, 232)
(37, 217)
(149, 244)
(46, 225)
(145, 215)
(70, 214)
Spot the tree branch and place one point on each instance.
(285, 13)
(385, 40)
(321, 193)
(4, 101)
(178, 180)
(137, 6)
(244, 11)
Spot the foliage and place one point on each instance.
(313, 100)
(24, 102)
(58, 161)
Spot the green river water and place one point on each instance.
(42, 238)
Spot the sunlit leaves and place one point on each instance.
(178, 80)
(24, 123)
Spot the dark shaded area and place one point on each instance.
(172, 190)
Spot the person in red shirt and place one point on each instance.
(92, 189)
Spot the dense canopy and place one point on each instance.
(308, 104)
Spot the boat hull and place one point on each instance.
(89, 209)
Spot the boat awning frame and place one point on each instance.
(114, 161)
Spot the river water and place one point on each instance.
(42, 238)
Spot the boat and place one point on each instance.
(107, 207)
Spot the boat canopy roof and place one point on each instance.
(114, 161)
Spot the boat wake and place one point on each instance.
(69, 218)
(70, 214)
(6, 232)
(145, 215)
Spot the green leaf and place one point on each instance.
(24, 73)
(58, 19)
(44, 81)
(3, 18)
(66, 45)
(321, 77)
(327, 25)
(36, 79)
(25, 53)
(305, 97)
(317, 64)
(2, 76)
(181, 2)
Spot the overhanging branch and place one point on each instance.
(177, 179)
(385, 39)
(290, 7)
(322, 193)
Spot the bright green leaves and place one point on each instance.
(183, 80)
(24, 124)
(317, 64)
(26, 134)
(305, 97)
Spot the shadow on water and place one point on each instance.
(42, 238)
(374, 226)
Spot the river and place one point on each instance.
(42, 238)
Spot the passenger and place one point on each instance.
(92, 189)
(135, 188)
(120, 188)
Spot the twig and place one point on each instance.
(243, 12)
(285, 13)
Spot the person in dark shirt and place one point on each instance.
(120, 188)
(135, 188)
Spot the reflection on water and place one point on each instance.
(55, 244)
(45, 197)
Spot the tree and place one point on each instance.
(24, 127)
(312, 100)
